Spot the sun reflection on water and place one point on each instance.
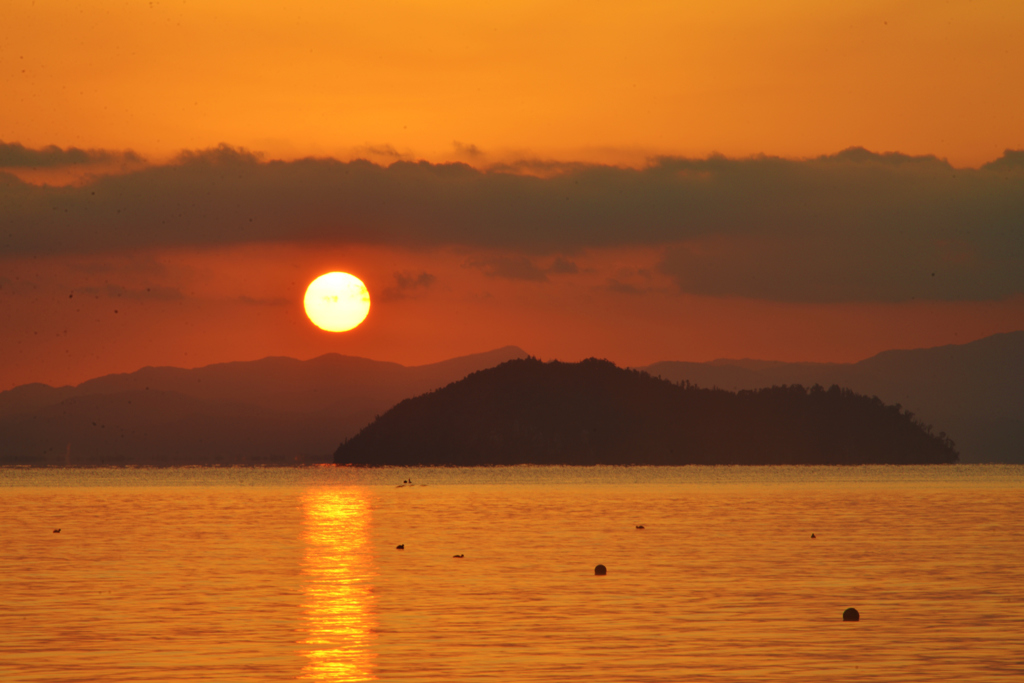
(338, 602)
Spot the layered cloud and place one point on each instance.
(17, 156)
(518, 267)
(406, 284)
(854, 226)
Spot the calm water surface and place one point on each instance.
(293, 574)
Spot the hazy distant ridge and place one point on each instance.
(974, 392)
(274, 410)
(281, 410)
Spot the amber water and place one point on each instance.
(293, 574)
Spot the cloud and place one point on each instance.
(15, 155)
(406, 283)
(469, 151)
(623, 287)
(523, 268)
(860, 155)
(409, 281)
(222, 157)
(562, 266)
(853, 226)
(1012, 160)
(511, 268)
(381, 151)
(140, 294)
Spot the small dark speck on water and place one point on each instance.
(600, 570)
(56, 531)
(400, 547)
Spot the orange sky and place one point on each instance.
(90, 315)
(613, 84)
(598, 81)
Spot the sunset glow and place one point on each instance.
(343, 341)
(793, 181)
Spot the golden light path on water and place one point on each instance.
(337, 600)
(282, 574)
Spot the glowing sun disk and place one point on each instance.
(337, 302)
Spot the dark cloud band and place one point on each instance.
(16, 156)
(850, 226)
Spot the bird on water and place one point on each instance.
(56, 531)
(400, 547)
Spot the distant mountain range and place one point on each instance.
(526, 411)
(282, 410)
(269, 411)
(974, 392)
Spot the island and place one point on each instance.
(526, 411)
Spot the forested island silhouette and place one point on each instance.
(527, 411)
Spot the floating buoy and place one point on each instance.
(851, 615)
(400, 547)
(600, 570)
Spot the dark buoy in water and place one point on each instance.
(56, 531)
(851, 615)
(400, 547)
(600, 570)
(813, 536)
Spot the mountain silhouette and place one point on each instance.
(525, 411)
(269, 411)
(284, 411)
(974, 392)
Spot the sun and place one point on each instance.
(337, 302)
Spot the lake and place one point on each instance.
(283, 574)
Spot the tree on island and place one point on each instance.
(592, 412)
